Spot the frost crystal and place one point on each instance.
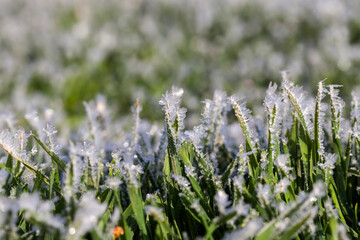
(247, 232)
(40, 210)
(113, 183)
(190, 171)
(196, 136)
(196, 206)
(329, 164)
(154, 211)
(28, 177)
(14, 143)
(318, 190)
(330, 160)
(82, 157)
(133, 173)
(239, 182)
(50, 131)
(86, 216)
(183, 183)
(222, 201)
(264, 193)
(282, 162)
(8, 217)
(282, 186)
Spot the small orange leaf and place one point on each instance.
(117, 232)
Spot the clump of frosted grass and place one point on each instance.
(174, 114)
(290, 180)
(301, 104)
(244, 117)
(274, 107)
(329, 164)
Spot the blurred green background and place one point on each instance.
(58, 53)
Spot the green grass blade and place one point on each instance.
(53, 156)
(137, 206)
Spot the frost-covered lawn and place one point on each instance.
(56, 54)
(291, 174)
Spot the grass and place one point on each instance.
(294, 177)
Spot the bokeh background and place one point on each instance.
(58, 53)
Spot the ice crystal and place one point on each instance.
(183, 183)
(190, 171)
(113, 183)
(282, 186)
(248, 231)
(196, 206)
(239, 182)
(28, 178)
(329, 164)
(264, 193)
(14, 143)
(86, 216)
(133, 172)
(243, 162)
(33, 151)
(50, 131)
(196, 136)
(8, 218)
(263, 161)
(330, 208)
(342, 232)
(222, 201)
(154, 211)
(76, 166)
(282, 162)
(40, 210)
(318, 190)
